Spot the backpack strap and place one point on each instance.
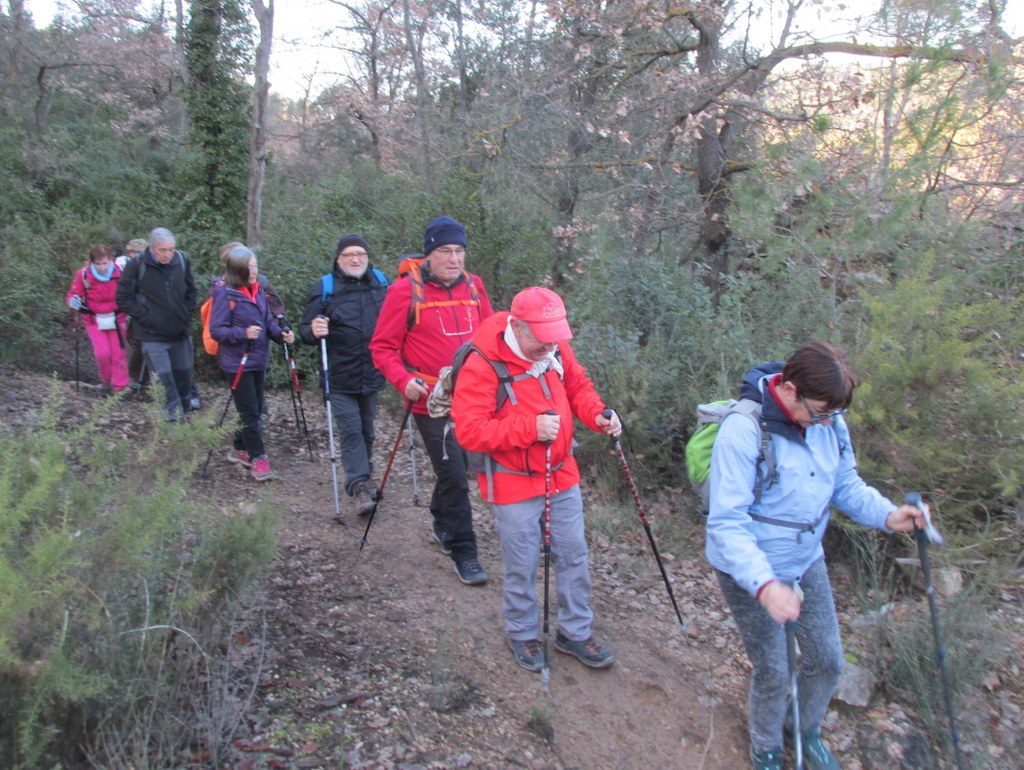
(800, 528)
(419, 303)
(85, 279)
(770, 476)
(506, 393)
(327, 284)
(766, 473)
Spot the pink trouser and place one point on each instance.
(109, 356)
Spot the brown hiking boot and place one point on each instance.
(363, 499)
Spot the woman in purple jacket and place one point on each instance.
(241, 321)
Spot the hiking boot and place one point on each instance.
(442, 540)
(529, 653)
(766, 760)
(239, 457)
(816, 753)
(470, 572)
(261, 469)
(588, 652)
(363, 499)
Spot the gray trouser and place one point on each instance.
(354, 415)
(172, 362)
(519, 528)
(821, 656)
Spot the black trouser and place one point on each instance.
(249, 403)
(136, 361)
(449, 503)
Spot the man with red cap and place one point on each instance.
(426, 316)
(527, 354)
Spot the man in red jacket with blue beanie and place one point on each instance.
(426, 316)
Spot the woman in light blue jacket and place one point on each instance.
(763, 543)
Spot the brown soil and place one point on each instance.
(380, 658)
(391, 662)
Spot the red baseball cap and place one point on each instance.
(544, 311)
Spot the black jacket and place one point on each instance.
(352, 312)
(161, 301)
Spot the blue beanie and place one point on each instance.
(443, 231)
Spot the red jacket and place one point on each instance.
(401, 353)
(510, 435)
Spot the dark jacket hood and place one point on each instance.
(754, 387)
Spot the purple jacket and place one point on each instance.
(232, 313)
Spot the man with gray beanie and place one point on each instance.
(345, 312)
(426, 316)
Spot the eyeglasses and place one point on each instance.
(132, 252)
(815, 417)
(451, 252)
(354, 254)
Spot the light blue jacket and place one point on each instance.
(812, 472)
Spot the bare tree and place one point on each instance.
(258, 137)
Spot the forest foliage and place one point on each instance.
(705, 187)
(705, 198)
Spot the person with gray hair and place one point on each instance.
(158, 291)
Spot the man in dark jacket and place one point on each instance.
(346, 317)
(158, 291)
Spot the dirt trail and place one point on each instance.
(380, 658)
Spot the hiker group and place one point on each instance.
(496, 394)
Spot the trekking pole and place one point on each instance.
(330, 428)
(227, 404)
(78, 337)
(923, 536)
(412, 461)
(794, 688)
(545, 672)
(617, 445)
(387, 469)
(296, 391)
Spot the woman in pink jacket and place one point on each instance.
(92, 295)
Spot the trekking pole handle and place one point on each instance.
(929, 531)
(552, 413)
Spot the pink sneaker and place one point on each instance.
(261, 469)
(239, 457)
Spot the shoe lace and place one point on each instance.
(768, 760)
(814, 747)
(470, 565)
(532, 647)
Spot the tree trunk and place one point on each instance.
(258, 135)
(422, 122)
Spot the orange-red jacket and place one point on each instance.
(510, 435)
(402, 352)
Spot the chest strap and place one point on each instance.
(801, 528)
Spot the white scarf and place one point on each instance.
(537, 368)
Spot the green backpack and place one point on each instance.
(698, 448)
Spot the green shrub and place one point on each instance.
(937, 410)
(118, 592)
